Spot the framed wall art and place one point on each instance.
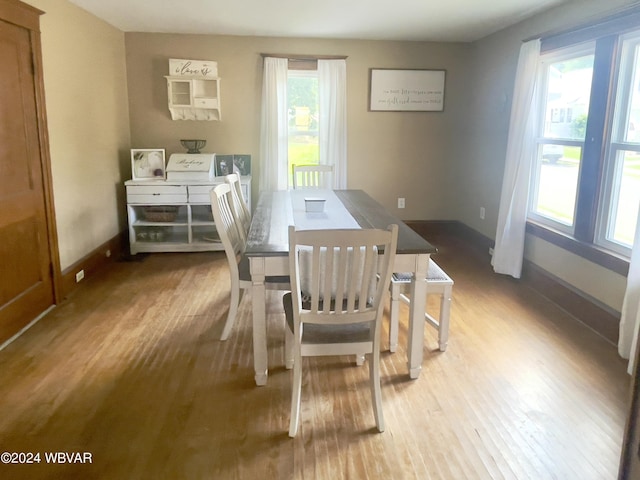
(392, 90)
(148, 164)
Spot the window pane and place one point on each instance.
(302, 97)
(625, 200)
(632, 127)
(621, 184)
(554, 195)
(567, 97)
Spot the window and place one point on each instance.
(565, 79)
(320, 138)
(618, 214)
(303, 118)
(585, 183)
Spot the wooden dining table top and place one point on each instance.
(268, 235)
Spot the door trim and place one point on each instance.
(28, 17)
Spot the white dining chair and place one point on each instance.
(438, 283)
(312, 176)
(234, 243)
(338, 281)
(240, 206)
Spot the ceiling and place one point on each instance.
(417, 20)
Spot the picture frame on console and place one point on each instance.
(148, 164)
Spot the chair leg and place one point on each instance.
(394, 310)
(296, 393)
(443, 324)
(236, 296)
(376, 392)
(288, 348)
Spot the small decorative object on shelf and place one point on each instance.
(147, 164)
(193, 146)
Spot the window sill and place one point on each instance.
(599, 256)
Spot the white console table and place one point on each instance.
(174, 216)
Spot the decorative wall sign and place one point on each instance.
(406, 90)
(193, 68)
(147, 164)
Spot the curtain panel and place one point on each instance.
(332, 91)
(273, 130)
(630, 319)
(521, 148)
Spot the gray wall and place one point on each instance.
(479, 160)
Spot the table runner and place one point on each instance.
(335, 214)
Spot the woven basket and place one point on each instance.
(160, 214)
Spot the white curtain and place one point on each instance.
(630, 320)
(332, 92)
(273, 134)
(521, 152)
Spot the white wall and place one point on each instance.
(87, 113)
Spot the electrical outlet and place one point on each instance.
(400, 202)
(107, 253)
(79, 276)
(482, 212)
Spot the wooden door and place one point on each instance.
(26, 267)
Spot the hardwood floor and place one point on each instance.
(131, 370)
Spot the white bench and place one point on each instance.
(438, 283)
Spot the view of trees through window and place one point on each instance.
(302, 102)
(568, 89)
(589, 188)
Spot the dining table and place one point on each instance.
(267, 249)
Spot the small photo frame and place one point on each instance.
(242, 164)
(148, 164)
(224, 165)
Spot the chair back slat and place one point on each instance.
(340, 273)
(240, 207)
(226, 223)
(312, 176)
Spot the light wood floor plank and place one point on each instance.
(131, 369)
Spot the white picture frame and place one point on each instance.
(418, 90)
(148, 164)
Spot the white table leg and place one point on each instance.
(258, 303)
(416, 316)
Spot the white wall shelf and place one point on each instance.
(193, 98)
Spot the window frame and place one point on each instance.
(555, 56)
(585, 240)
(617, 143)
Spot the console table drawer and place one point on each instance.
(200, 193)
(156, 194)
